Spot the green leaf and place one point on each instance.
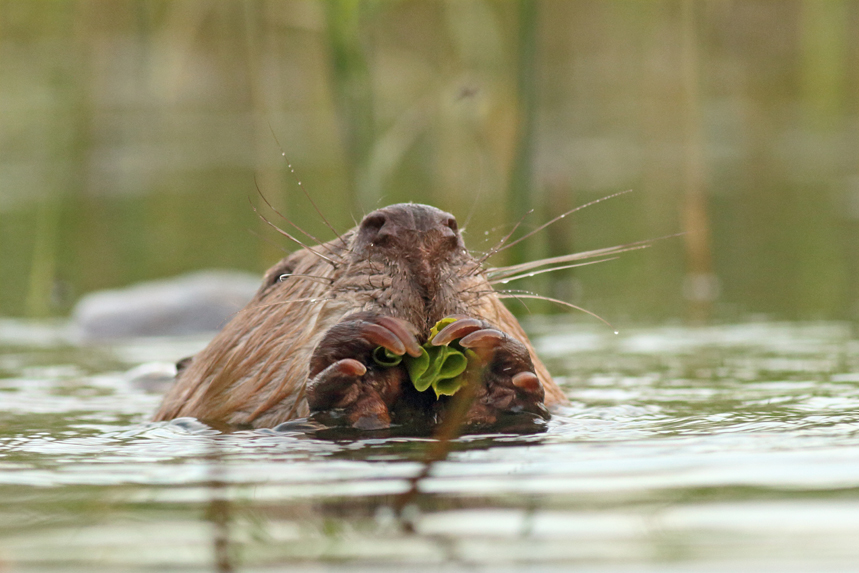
(439, 326)
(448, 379)
(437, 366)
(447, 387)
(417, 368)
(384, 357)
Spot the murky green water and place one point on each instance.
(719, 448)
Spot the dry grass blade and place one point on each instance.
(450, 428)
(473, 209)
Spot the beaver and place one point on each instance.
(303, 346)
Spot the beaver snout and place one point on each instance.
(409, 226)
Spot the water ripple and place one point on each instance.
(672, 435)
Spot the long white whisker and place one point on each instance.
(324, 280)
(558, 218)
(499, 245)
(285, 302)
(508, 279)
(562, 303)
(498, 272)
(306, 194)
(290, 237)
(288, 220)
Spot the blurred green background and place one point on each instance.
(132, 134)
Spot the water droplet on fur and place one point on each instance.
(282, 278)
(284, 154)
(504, 282)
(616, 332)
(299, 182)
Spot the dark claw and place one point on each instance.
(527, 382)
(335, 384)
(486, 338)
(349, 367)
(381, 336)
(404, 331)
(455, 330)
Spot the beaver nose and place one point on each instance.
(379, 229)
(410, 226)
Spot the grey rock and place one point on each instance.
(155, 377)
(188, 304)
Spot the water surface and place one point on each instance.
(712, 448)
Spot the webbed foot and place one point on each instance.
(508, 386)
(346, 386)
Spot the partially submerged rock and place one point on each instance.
(193, 303)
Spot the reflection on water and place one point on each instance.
(681, 449)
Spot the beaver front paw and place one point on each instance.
(346, 386)
(509, 388)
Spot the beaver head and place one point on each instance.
(410, 261)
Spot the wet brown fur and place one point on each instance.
(255, 370)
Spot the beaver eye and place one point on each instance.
(280, 274)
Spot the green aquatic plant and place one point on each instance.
(439, 367)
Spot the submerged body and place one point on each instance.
(302, 347)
